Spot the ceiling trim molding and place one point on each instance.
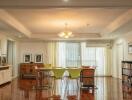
(117, 23)
(55, 36)
(8, 35)
(61, 4)
(63, 40)
(79, 6)
(14, 23)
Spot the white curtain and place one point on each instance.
(94, 56)
(61, 54)
(100, 61)
(67, 54)
(51, 53)
(88, 56)
(73, 54)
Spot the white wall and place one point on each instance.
(33, 48)
(126, 56)
(16, 58)
(4, 39)
(41, 47)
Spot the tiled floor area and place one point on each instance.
(108, 88)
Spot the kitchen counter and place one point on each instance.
(5, 74)
(4, 67)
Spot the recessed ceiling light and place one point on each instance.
(87, 25)
(65, 0)
(20, 36)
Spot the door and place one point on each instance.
(120, 57)
(11, 55)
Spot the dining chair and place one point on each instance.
(48, 65)
(48, 73)
(74, 74)
(43, 78)
(58, 75)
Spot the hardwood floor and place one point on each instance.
(108, 88)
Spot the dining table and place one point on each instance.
(45, 73)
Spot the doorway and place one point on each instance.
(120, 57)
(11, 55)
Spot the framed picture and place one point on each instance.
(130, 48)
(38, 58)
(27, 58)
(3, 59)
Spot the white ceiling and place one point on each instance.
(52, 21)
(47, 23)
(87, 19)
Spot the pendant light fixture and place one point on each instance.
(66, 33)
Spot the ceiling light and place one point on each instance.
(66, 33)
(65, 0)
(20, 36)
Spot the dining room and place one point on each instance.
(65, 50)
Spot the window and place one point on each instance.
(77, 54)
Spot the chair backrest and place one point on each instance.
(58, 72)
(74, 72)
(47, 65)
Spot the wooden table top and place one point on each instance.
(47, 69)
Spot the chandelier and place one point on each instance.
(66, 33)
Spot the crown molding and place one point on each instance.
(61, 3)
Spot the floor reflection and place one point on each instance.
(108, 88)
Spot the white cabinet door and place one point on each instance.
(5, 76)
(1, 76)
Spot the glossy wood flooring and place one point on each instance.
(108, 88)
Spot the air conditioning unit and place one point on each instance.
(99, 43)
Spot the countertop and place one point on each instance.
(4, 67)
